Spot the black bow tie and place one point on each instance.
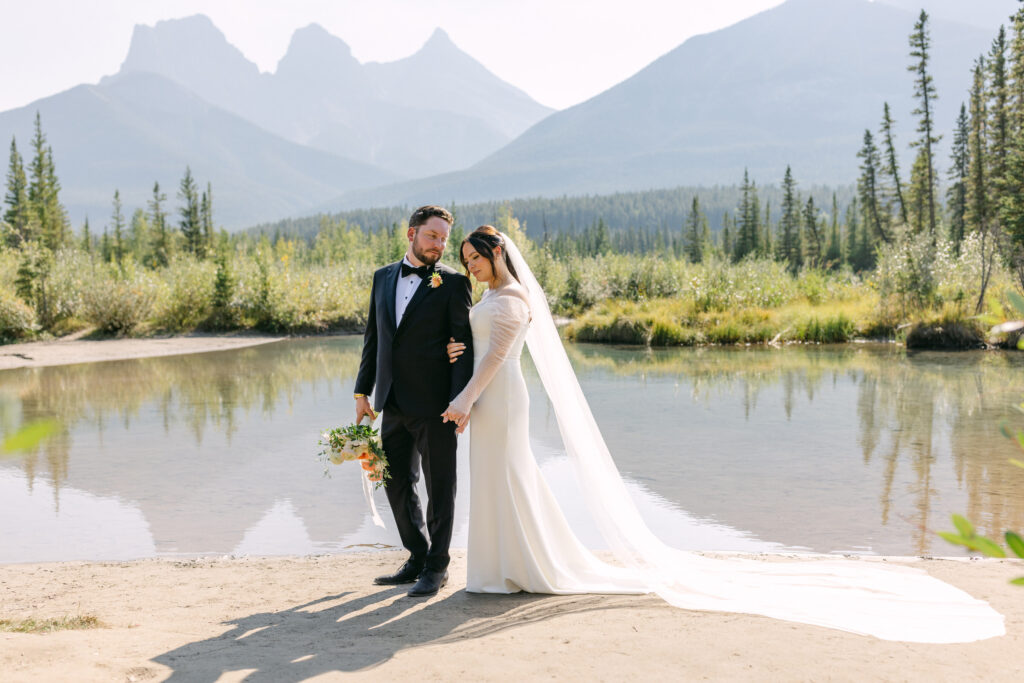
(422, 271)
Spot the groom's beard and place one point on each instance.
(427, 258)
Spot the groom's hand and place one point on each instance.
(363, 408)
(454, 349)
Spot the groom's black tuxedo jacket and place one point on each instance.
(410, 360)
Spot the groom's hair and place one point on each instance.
(423, 214)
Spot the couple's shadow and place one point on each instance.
(350, 632)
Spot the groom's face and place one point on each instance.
(427, 242)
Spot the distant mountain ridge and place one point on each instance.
(794, 85)
(271, 145)
(437, 110)
(144, 128)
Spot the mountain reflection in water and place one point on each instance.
(855, 448)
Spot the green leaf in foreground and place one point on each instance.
(1016, 299)
(1019, 581)
(1016, 543)
(965, 528)
(29, 436)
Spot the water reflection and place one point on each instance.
(853, 448)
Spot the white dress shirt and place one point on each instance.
(404, 290)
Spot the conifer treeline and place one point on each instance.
(985, 195)
(34, 218)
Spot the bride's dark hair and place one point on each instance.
(485, 240)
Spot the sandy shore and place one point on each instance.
(291, 619)
(70, 350)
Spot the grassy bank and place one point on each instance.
(919, 291)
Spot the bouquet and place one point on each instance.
(356, 442)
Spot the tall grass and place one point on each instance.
(291, 286)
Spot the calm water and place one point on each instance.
(859, 448)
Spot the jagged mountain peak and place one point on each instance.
(316, 36)
(314, 49)
(165, 46)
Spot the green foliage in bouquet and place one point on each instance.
(355, 442)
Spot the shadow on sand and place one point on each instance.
(351, 632)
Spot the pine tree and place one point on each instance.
(747, 238)
(17, 215)
(958, 173)
(977, 210)
(86, 237)
(694, 238)
(43, 193)
(790, 249)
(206, 206)
(891, 163)
(191, 221)
(139, 237)
(999, 114)
(834, 254)
(867, 191)
(158, 219)
(106, 250)
(852, 234)
(922, 177)
(814, 237)
(727, 246)
(1011, 205)
(767, 247)
(59, 232)
(117, 221)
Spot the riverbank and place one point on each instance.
(74, 349)
(296, 618)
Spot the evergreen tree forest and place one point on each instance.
(939, 242)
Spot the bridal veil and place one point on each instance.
(886, 601)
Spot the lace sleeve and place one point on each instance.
(511, 315)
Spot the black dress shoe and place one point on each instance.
(407, 574)
(429, 583)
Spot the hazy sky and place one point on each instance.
(560, 52)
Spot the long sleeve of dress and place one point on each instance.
(510, 316)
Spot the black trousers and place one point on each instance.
(408, 442)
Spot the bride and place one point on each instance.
(519, 539)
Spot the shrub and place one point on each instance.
(186, 294)
(118, 303)
(17, 319)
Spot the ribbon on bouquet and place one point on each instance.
(369, 485)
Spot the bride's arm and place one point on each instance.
(511, 316)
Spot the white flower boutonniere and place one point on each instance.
(435, 280)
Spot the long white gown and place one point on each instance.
(519, 538)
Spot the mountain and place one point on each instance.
(437, 110)
(797, 84)
(985, 14)
(141, 128)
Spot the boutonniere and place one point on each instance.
(435, 280)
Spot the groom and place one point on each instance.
(416, 306)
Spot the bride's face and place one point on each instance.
(479, 266)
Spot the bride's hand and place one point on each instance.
(455, 349)
(460, 419)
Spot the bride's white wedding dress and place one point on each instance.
(519, 538)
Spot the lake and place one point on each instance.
(860, 448)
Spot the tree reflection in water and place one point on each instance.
(911, 408)
(205, 445)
